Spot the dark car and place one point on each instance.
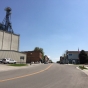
(46, 63)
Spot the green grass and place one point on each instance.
(18, 65)
(82, 67)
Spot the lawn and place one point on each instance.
(82, 67)
(18, 65)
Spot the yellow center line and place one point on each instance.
(26, 75)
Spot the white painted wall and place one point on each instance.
(74, 56)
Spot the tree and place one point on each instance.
(36, 49)
(51, 61)
(87, 59)
(41, 50)
(83, 57)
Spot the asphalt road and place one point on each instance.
(44, 76)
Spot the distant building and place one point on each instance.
(61, 60)
(73, 56)
(46, 59)
(33, 56)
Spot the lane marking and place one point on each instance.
(26, 75)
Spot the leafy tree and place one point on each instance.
(83, 57)
(51, 61)
(41, 50)
(87, 59)
(36, 49)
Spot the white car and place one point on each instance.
(1, 60)
(8, 61)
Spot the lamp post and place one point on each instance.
(30, 59)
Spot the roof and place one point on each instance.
(10, 33)
(30, 51)
(75, 51)
(12, 51)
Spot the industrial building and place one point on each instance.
(9, 41)
(19, 57)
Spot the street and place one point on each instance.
(44, 76)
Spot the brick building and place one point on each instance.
(33, 56)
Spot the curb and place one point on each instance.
(84, 71)
(68, 64)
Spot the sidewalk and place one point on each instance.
(84, 70)
(4, 67)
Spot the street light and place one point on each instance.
(30, 59)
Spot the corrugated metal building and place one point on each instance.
(9, 41)
(9, 47)
(19, 57)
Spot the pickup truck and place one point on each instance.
(8, 61)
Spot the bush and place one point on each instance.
(83, 57)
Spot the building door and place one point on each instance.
(73, 62)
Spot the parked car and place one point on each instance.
(46, 63)
(8, 61)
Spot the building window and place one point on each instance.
(70, 54)
(22, 57)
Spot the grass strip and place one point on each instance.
(82, 67)
(18, 65)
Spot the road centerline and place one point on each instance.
(23, 76)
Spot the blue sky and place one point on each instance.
(54, 25)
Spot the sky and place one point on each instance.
(54, 25)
